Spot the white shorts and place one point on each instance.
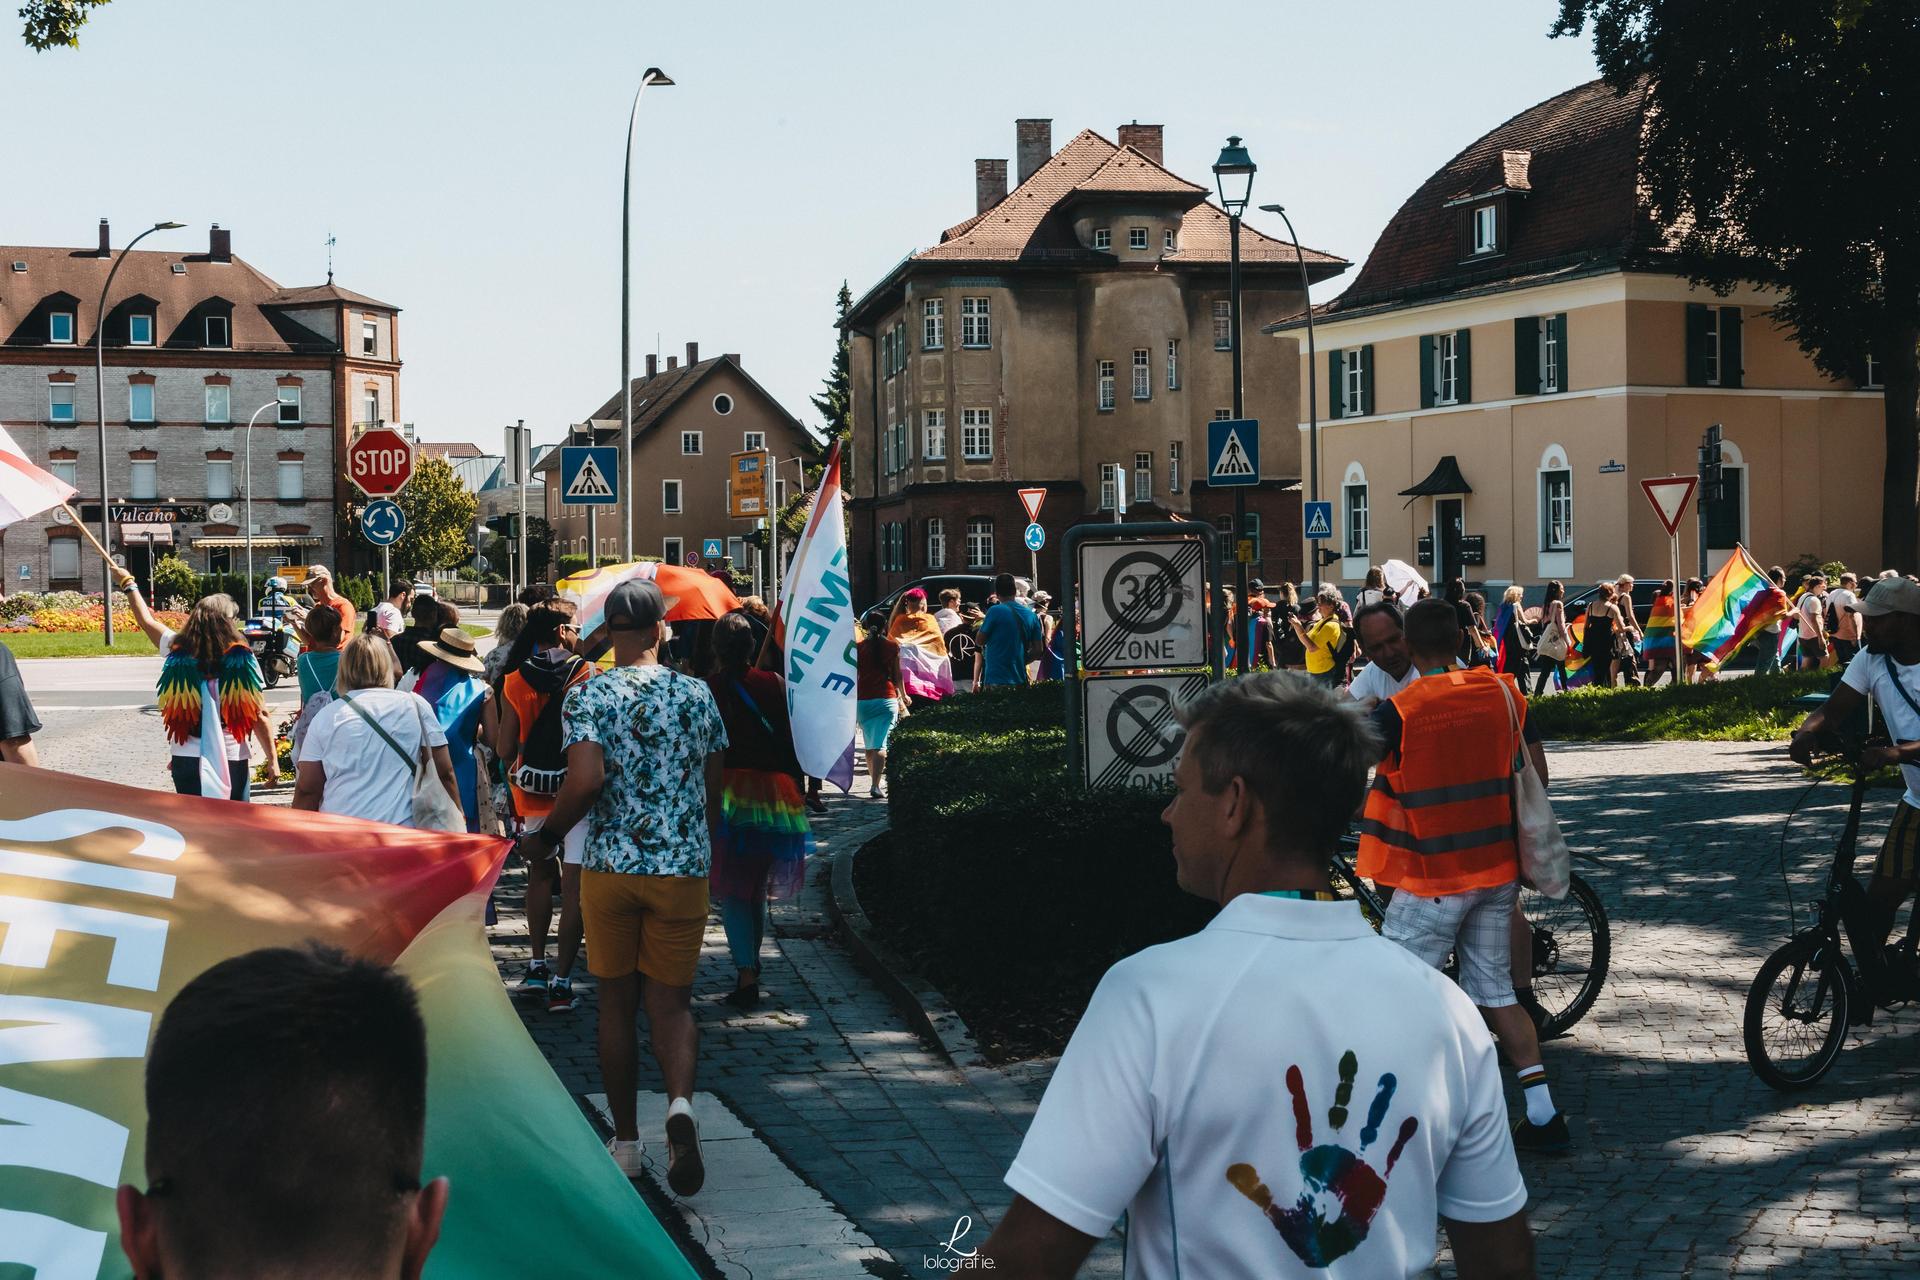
(574, 847)
(1472, 925)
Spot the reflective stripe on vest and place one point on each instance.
(1440, 819)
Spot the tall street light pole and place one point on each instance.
(652, 75)
(100, 407)
(248, 464)
(1233, 172)
(1313, 384)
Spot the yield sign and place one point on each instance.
(1669, 496)
(1031, 500)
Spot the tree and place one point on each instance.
(539, 546)
(440, 519)
(835, 403)
(52, 22)
(1777, 150)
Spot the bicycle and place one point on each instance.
(1795, 1029)
(1572, 939)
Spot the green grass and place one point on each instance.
(475, 630)
(1749, 709)
(82, 644)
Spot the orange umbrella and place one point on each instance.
(691, 593)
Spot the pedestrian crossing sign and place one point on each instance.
(1316, 519)
(590, 475)
(1233, 451)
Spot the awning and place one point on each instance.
(1444, 481)
(263, 540)
(140, 534)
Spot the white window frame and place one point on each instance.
(369, 337)
(1222, 415)
(1353, 382)
(1446, 368)
(1103, 238)
(67, 470)
(290, 480)
(1486, 229)
(697, 439)
(289, 398)
(1142, 477)
(223, 410)
(936, 543)
(672, 496)
(1104, 373)
(1223, 326)
(63, 554)
(1556, 509)
(1167, 240)
(133, 337)
(933, 324)
(370, 404)
(980, 542)
(1109, 486)
(1710, 358)
(1173, 364)
(54, 326)
(976, 448)
(226, 331)
(933, 435)
(1174, 450)
(1550, 371)
(673, 550)
(976, 323)
(1872, 372)
(1137, 238)
(1554, 516)
(1356, 512)
(223, 468)
(1142, 373)
(143, 480)
(722, 404)
(55, 405)
(134, 392)
(753, 442)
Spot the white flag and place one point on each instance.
(815, 632)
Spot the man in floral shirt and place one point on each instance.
(643, 747)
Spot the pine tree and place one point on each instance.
(835, 403)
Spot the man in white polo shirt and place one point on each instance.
(1285, 1093)
(1382, 631)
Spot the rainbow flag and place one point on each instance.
(1656, 638)
(1738, 601)
(1579, 668)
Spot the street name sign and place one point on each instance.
(383, 523)
(1233, 451)
(1316, 521)
(1669, 496)
(1130, 736)
(380, 462)
(590, 475)
(1143, 604)
(1031, 500)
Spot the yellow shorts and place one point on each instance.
(644, 924)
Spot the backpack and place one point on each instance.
(543, 761)
(1344, 651)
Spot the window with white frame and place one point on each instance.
(1556, 509)
(673, 550)
(1174, 450)
(1446, 368)
(1710, 349)
(1167, 241)
(60, 402)
(1872, 372)
(1109, 486)
(219, 478)
(933, 324)
(1550, 354)
(1221, 415)
(1143, 477)
(293, 480)
(979, 543)
(753, 441)
(1142, 374)
(1103, 237)
(1222, 326)
(369, 338)
(289, 404)
(219, 332)
(1106, 380)
(63, 559)
(1486, 229)
(143, 480)
(1353, 382)
(370, 404)
(976, 434)
(936, 543)
(219, 402)
(66, 470)
(140, 402)
(140, 330)
(723, 404)
(1136, 237)
(670, 497)
(60, 326)
(933, 435)
(1359, 530)
(690, 443)
(1173, 364)
(976, 323)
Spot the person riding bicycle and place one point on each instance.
(1887, 668)
(1439, 828)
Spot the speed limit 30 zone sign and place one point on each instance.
(1143, 604)
(1130, 735)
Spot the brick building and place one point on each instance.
(194, 344)
(1072, 334)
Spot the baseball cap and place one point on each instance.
(1256, 586)
(635, 605)
(1891, 595)
(319, 571)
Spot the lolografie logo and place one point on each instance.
(952, 1256)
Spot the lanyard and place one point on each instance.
(1302, 895)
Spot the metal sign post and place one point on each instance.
(1669, 495)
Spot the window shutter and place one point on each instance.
(1699, 321)
(1526, 356)
(1559, 323)
(1730, 369)
(1336, 387)
(1463, 349)
(1366, 379)
(1427, 380)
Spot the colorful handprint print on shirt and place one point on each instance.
(1341, 1192)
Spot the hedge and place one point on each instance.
(1747, 709)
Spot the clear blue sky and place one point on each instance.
(467, 155)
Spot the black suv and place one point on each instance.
(974, 588)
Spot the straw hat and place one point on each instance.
(455, 648)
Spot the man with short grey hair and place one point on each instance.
(1209, 1093)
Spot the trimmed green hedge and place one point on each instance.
(1747, 709)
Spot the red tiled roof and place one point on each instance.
(1127, 172)
(655, 397)
(328, 292)
(461, 450)
(1577, 157)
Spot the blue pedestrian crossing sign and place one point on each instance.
(1316, 521)
(590, 475)
(1036, 537)
(382, 522)
(1233, 451)
(711, 549)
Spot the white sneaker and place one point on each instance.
(686, 1172)
(627, 1155)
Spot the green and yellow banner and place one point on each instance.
(113, 898)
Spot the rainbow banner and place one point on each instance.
(1578, 666)
(1656, 638)
(114, 898)
(1738, 601)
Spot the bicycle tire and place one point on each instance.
(1804, 954)
(1562, 1014)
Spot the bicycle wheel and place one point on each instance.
(1796, 1019)
(1347, 887)
(1572, 946)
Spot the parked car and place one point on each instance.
(974, 588)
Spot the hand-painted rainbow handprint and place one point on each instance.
(1342, 1191)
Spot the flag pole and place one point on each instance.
(1682, 675)
(88, 535)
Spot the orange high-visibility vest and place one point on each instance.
(1440, 820)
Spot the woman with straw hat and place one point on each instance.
(452, 686)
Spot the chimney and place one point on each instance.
(220, 244)
(693, 354)
(106, 246)
(733, 356)
(1144, 138)
(673, 362)
(1033, 145)
(989, 184)
(653, 365)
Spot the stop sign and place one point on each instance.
(380, 461)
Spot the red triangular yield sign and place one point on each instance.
(1669, 496)
(1031, 500)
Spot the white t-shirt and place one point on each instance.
(191, 747)
(1813, 616)
(1374, 682)
(1873, 674)
(365, 777)
(1846, 607)
(1205, 1067)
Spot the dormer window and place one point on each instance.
(140, 330)
(218, 333)
(60, 326)
(1486, 229)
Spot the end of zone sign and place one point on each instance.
(1132, 738)
(1143, 604)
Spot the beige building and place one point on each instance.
(1071, 335)
(688, 419)
(1520, 350)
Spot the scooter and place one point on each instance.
(271, 635)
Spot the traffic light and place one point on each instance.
(506, 526)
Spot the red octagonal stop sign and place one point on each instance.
(380, 461)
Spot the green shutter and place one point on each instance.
(1366, 379)
(1427, 389)
(1559, 324)
(1699, 323)
(1730, 369)
(1463, 346)
(1526, 356)
(1335, 407)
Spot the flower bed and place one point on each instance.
(70, 612)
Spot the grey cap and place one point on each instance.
(635, 605)
(1891, 595)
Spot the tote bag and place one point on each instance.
(433, 808)
(1545, 861)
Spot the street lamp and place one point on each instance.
(1313, 386)
(100, 406)
(271, 404)
(652, 75)
(1233, 172)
